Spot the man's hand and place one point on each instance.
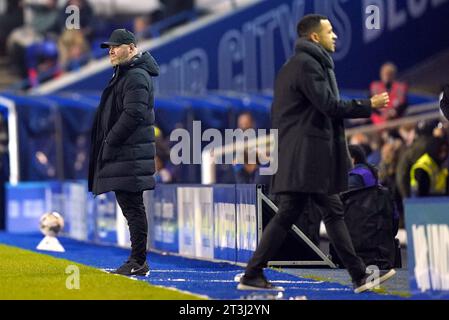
(380, 100)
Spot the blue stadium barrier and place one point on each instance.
(208, 222)
(246, 221)
(163, 220)
(53, 130)
(216, 222)
(427, 224)
(3, 111)
(53, 136)
(4, 160)
(37, 122)
(86, 217)
(225, 217)
(76, 116)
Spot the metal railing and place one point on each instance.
(425, 111)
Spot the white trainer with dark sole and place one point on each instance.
(372, 284)
(242, 286)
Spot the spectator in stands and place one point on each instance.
(424, 136)
(397, 92)
(246, 121)
(162, 175)
(444, 103)
(141, 27)
(441, 130)
(42, 58)
(407, 133)
(123, 148)
(363, 174)
(376, 144)
(361, 140)
(40, 27)
(368, 204)
(44, 15)
(10, 19)
(73, 50)
(428, 176)
(86, 18)
(248, 173)
(388, 170)
(165, 172)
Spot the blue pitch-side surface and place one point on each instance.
(214, 280)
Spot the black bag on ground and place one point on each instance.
(369, 216)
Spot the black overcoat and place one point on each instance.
(308, 113)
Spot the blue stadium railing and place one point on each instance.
(54, 130)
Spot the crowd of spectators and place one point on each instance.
(412, 160)
(42, 40)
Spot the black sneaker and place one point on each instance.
(257, 283)
(368, 282)
(132, 268)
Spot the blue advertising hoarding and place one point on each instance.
(207, 222)
(225, 241)
(104, 210)
(243, 50)
(163, 219)
(246, 200)
(25, 204)
(427, 222)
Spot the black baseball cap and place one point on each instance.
(118, 37)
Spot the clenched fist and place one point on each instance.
(380, 100)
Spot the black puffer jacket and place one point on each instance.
(122, 145)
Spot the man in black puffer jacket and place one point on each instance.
(122, 145)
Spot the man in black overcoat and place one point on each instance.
(123, 143)
(313, 156)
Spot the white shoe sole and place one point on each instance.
(242, 286)
(141, 275)
(370, 285)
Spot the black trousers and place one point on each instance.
(291, 205)
(133, 209)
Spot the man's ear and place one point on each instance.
(315, 37)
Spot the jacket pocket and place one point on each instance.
(109, 152)
(315, 159)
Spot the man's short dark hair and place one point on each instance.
(308, 24)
